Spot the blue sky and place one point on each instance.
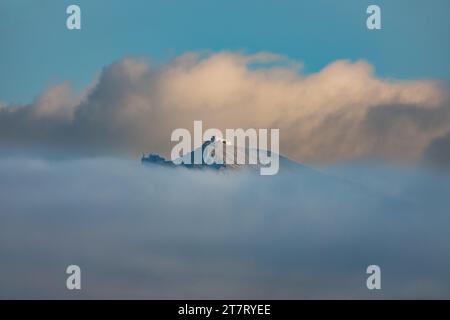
(37, 50)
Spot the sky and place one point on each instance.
(37, 51)
(134, 72)
(367, 113)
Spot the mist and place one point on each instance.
(151, 232)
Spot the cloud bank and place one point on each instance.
(154, 232)
(340, 113)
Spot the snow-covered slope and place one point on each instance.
(229, 156)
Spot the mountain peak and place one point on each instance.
(210, 150)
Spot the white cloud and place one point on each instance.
(341, 112)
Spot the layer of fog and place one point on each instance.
(149, 232)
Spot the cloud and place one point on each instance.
(153, 232)
(438, 152)
(342, 112)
